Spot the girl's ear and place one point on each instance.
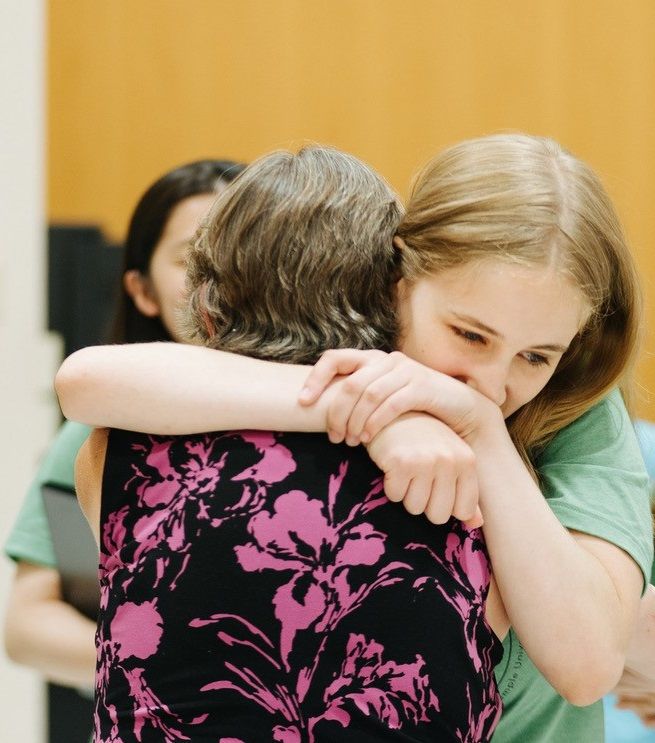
(401, 290)
(399, 243)
(140, 290)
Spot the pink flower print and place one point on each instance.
(235, 630)
(148, 708)
(276, 464)
(283, 734)
(396, 693)
(113, 537)
(159, 482)
(160, 487)
(468, 564)
(165, 494)
(136, 632)
(298, 537)
(468, 560)
(136, 629)
(240, 632)
(480, 727)
(202, 472)
(114, 530)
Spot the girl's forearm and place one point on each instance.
(169, 388)
(571, 599)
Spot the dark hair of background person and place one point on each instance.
(145, 230)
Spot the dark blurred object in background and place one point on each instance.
(83, 275)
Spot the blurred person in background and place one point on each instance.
(42, 630)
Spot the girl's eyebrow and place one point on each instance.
(478, 325)
(553, 347)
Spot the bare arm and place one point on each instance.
(170, 388)
(46, 633)
(571, 598)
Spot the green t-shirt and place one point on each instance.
(595, 481)
(30, 539)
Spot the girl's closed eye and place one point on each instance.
(536, 359)
(469, 336)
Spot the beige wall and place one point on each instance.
(138, 86)
(28, 411)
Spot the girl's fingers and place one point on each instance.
(346, 398)
(418, 494)
(476, 522)
(371, 398)
(333, 364)
(396, 404)
(466, 492)
(395, 486)
(439, 507)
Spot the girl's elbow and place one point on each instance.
(588, 682)
(69, 377)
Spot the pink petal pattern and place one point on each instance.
(324, 562)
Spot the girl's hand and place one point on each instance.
(380, 387)
(429, 468)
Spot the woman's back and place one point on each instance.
(260, 586)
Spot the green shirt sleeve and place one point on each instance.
(29, 539)
(595, 480)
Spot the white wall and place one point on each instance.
(28, 415)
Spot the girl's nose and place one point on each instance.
(488, 380)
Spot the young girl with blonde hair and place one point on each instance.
(519, 307)
(247, 577)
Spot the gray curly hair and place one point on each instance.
(296, 257)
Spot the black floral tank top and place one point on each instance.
(259, 586)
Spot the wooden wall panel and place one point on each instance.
(137, 86)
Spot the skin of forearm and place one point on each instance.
(641, 650)
(558, 596)
(206, 387)
(47, 634)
